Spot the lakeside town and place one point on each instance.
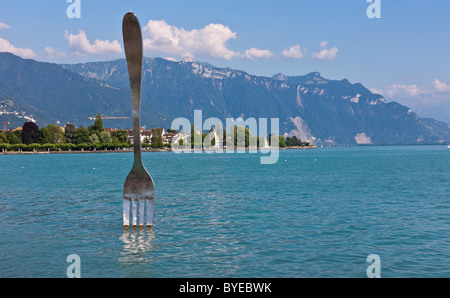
(68, 138)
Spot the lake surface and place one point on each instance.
(315, 213)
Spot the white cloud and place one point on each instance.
(255, 53)
(6, 46)
(326, 54)
(294, 52)
(54, 54)
(428, 100)
(363, 139)
(376, 91)
(171, 59)
(440, 86)
(413, 90)
(4, 26)
(81, 46)
(403, 90)
(208, 41)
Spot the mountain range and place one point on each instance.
(316, 109)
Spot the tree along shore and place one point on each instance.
(55, 139)
(28, 150)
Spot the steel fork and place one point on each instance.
(139, 188)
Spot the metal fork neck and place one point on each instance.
(132, 38)
(135, 99)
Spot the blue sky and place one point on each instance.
(404, 54)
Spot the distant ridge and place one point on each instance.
(316, 109)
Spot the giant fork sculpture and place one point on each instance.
(139, 188)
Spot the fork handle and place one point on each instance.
(132, 39)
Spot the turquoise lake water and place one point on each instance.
(315, 213)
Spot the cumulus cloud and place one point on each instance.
(208, 41)
(81, 46)
(427, 100)
(413, 90)
(294, 52)
(6, 46)
(4, 26)
(325, 53)
(255, 53)
(402, 90)
(54, 54)
(363, 139)
(440, 86)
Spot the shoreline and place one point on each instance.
(131, 151)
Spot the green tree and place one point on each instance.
(289, 142)
(3, 138)
(196, 140)
(213, 133)
(97, 128)
(81, 136)
(44, 136)
(93, 139)
(56, 134)
(226, 139)
(98, 124)
(105, 138)
(121, 135)
(192, 134)
(243, 132)
(18, 134)
(69, 132)
(30, 132)
(157, 138)
(293, 141)
(282, 142)
(13, 137)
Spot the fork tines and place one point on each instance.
(142, 209)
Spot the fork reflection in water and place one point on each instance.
(136, 246)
